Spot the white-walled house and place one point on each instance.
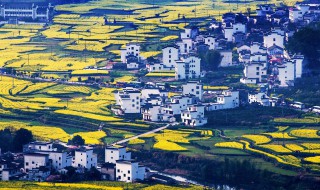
(155, 96)
(185, 46)
(296, 13)
(39, 146)
(129, 100)
(226, 60)
(6, 174)
(177, 104)
(286, 73)
(132, 49)
(261, 98)
(9, 170)
(188, 68)
(84, 158)
(253, 73)
(229, 31)
(112, 154)
(129, 171)
(264, 9)
(259, 57)
(194, 116)
(35, 160)
(193, 87)
(152, 112)
(298, 59)
(257, 48)
(210, 41)
(60, 160)
(228, 99)
(169, 55)
(274, 38)
(152, 67)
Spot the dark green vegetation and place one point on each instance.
(14, 140)
(305, 90)
(307, 42)
(77, 140)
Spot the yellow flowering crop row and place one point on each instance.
(281, 135)
(276, 148)
(294, 147)
(235, 145)
(314, 159)
(311, 146)
(305, 133)
(162, 74)
(257, 139)
(88, 115)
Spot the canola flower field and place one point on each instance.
(103, 185)
(48, 103)
(291, 147)
(81, 37)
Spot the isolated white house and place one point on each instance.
(193, 87)
(129, 100)
(194, 116)
(84, 158)
(112, 154)
(188, 68)
(261, 98)
(129, 171)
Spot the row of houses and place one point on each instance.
(40, 159)
(155, 105)
(269, 62)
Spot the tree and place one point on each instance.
(307, 42)
(21, 137)
(77, 140)
(6, 140)
(212, 60)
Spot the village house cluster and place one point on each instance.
(260, 46)
(40, 160)
(156, 105)
(257, 43)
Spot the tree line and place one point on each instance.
(13, 140)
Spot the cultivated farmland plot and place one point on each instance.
(86, 35)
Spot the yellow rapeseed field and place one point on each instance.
(257, 139)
